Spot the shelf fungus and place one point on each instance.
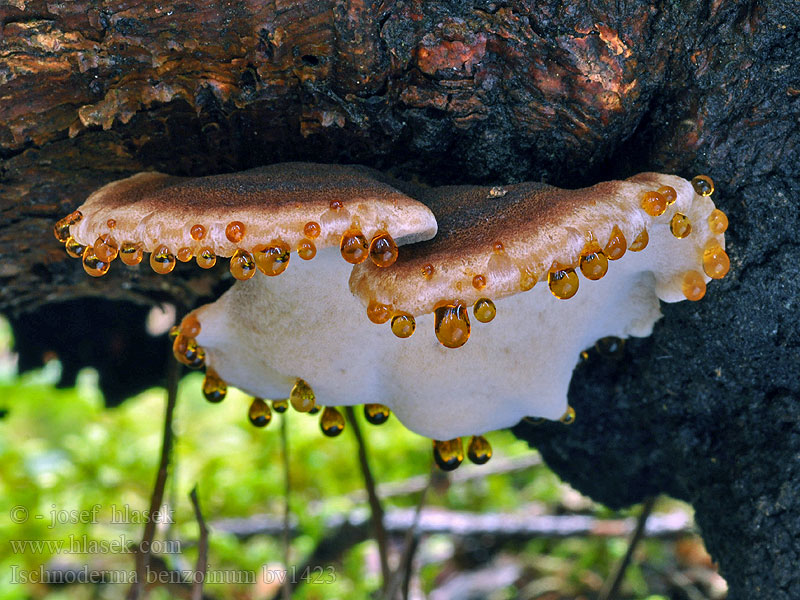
(492, 313)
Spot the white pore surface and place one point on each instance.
(264, 333)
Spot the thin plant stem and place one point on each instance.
(157, 498)
(286, 588)
(374, 501)
(611, 586)
(202, 548)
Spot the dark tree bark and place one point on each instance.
(450, 92)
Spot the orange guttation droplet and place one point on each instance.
(484, 310)
(73, 248)
(214, 389)
(716, 263)
(311, 230)
(568, 418)
(198, 232)
(616, 246)
(306, 249)
(451, 324)
(403, 325)
(563, 283)
(188, 352)
(92, 264)
(206, 258)
(669, 193)
(383, 250)
(331, 422)
(190, 326)
(302, 397)
(527, 278)
(242, 265)
(378, 313)
(111, 223)
(131, 253)
(718, 222)
(174, 331)
(448, 454)
(336, 205)
(427, 271)
(377, 414)
(354, 247)
(703, 185)
(280, 406)
(654, 204)
(259, 413)
(235, 231)
(184, 254)
(106, 248)
(61, 230)
(479, 282)
(594, 264)
(641, 241)
(273, 258)
(479, 451)
(162, 261)
(680, 225)
(498, 247)
(693, 285)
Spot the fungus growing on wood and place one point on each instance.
(545, 273)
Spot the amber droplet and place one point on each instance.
(214, 389)
(610, 347)
(188, 352)
(354, 247)
(311, 230)
(448, 454)
(451, 324)
(377, 414)
(280, 406)
(703, 185)
(718, 222)
(111, 223)
(680, 225)
(479, 450)
(302, 396)
(403, 325)
(73, 248)
(669, 193)
(594, 265)
(427, 271)
(206, 258)
(106, 248)
(306, 249)
(174, 331)
(336, 205)
(484, 310)
(259, 413)
(314, 410)
(527, 278)
(479, 282)
(184, 254)
(61, 228)
(693, 286)
(273, 258)
(378, 313)
(190, 326)
(162, 260)
(198, 232)
(331, 422)
(235, 231)
(654, 204)
(242, 265)
(131, 253)
(716, 263)
(383, 250)
(563, 284)
(616, 246)
(568, 418)
(641, 241)
(92, 264)
(498, 247)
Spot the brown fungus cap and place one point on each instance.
(497, 241)
(291, 202)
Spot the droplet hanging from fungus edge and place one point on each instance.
(92, 264)
(162, 261)
(484, 310)
(272, 259)
(331, 422)
(479, 451)
(302, 396)
(641, 241)
(563, 284)
(214, 389)
(259, 413)
(242, 265)
(403, 325)
(703, 185)
(448, 454)
(131, 253)
(354, 246)
(383, 250)
(451, 324)
(680, 225)
(377, 414)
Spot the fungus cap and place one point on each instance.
(273, 202)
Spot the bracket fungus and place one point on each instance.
(513, 256)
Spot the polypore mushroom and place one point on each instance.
(278, 337)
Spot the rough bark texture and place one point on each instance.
(706, 409)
